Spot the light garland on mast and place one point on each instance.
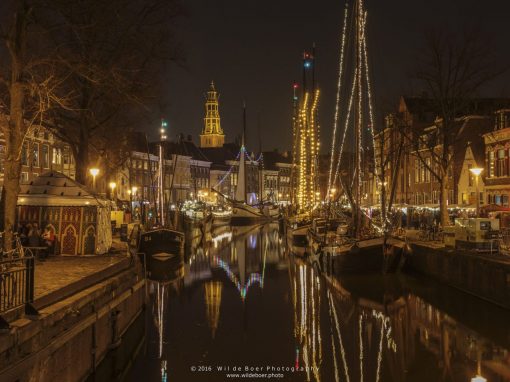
(347, 120)
(338, 92)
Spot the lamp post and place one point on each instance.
(112, 187)
(132, 193)
(477, 171)
(94, 172)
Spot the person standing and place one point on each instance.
(34, 236)
(49, 240)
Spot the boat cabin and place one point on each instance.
(476, 233)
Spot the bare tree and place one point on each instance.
(112, 55)
(453, 67)
(29, 88)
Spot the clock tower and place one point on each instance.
(212, 134)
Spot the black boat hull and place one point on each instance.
(162, 252)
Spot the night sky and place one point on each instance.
(252, 50)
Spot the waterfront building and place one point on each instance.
(42, 151)
(417, 128)
(276, 176)
(497, 168)
(193, 177)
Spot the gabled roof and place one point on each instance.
(426, 109)
(271, 158)
(471, 131)
(181, 147)
(55, 189)
(219, 155)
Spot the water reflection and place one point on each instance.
(241, 300)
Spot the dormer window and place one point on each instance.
(501, 119)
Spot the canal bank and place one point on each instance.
(486, 276)
(77, 323)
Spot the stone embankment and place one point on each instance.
(78, 323)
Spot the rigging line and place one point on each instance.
(338, 92)
(369, 92)
(346, 126)
(228, 172)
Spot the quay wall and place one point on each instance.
(481, 275)
(68, 339)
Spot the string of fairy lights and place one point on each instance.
(233, 167)
(360, 91)
(338, 92)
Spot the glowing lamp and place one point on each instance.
(478, 378)
(476, 170)
(94, 172)
(134, 189)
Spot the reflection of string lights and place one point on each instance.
(164, 373)
(254, 277)
(160, 301)
(386, 322)
(252, 241)
(342, 349)
(218, 239)
(361, 347)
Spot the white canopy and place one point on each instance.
(55, 189)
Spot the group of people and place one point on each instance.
(31, 236)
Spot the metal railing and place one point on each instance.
(17, 268)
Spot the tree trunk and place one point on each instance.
(14, 134)
(81, 158)
(443, 202)
(11, 191)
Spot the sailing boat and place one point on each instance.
(242, 212)
(353, 247)
(162, 247)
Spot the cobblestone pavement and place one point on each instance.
(59, 271)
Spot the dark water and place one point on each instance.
(244, 303)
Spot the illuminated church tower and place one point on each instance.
(212, 134)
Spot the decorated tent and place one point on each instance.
(79, 219)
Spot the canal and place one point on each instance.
(244, 306)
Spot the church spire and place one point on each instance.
(212, 133)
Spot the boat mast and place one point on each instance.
(161, 173)
(358, 122)
(244, 153)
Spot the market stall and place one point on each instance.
(79, 220)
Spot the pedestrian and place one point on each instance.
(23, 237)
(34, 236)
(49, 240)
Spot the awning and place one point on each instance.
(494, 207)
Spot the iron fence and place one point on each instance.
(17, 269)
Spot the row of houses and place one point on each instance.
(480, 139)
(194, 173)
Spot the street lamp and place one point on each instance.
(478, 378)
(94, 172)
(132, 192)
(477, 171)
(112, 186)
